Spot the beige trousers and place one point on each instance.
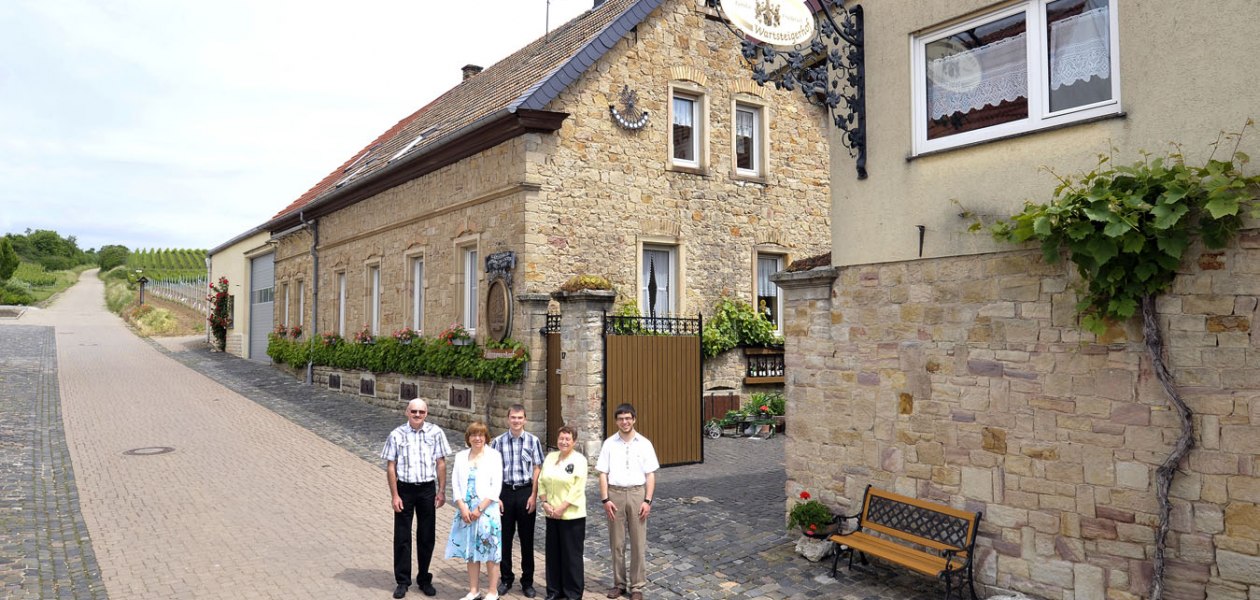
(628, 500)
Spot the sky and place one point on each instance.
(180, 124)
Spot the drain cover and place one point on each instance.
(149, 451)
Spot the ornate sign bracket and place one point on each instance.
(829, 68)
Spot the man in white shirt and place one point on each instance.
(415, 455)
(627, 479)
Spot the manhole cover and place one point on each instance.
(149, 451)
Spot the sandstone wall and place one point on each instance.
(967, 381)
(606, 190)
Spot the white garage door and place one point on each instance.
(262, 295)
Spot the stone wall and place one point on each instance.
(594, 220)
(436, 391)
(967, 381)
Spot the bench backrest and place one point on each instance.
(919, 521)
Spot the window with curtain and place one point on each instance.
(747, 140)
(374, 280)
(417, 294)
(285, 296)
(301, 313)
(769, 302)
(976, 81)
(686, 134)
(658, 266)
(341, 304)
(470, 289)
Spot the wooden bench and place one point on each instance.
(930, 538)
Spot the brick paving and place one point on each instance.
(275, 489)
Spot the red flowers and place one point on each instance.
(765, 408)
(804, 495)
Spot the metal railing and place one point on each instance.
(189, 292)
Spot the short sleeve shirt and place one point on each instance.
(627, 463)
(520, 455)
(415, 452)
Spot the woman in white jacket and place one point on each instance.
(476, 537)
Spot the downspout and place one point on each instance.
(314, 227)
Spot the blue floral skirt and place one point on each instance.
(479, 541)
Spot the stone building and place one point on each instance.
(939, 364)
(627, 142)
(235, 260)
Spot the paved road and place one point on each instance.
(273, 489)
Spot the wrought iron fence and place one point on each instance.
(189, 292)
(619, 325)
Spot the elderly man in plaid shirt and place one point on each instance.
(522, 460)
(415, 466)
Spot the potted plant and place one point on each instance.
(813, 518)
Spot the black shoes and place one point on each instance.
(400, 591)
(528, 590)
(503, 588)
(427, 588)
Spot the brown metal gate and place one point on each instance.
(555, 419)
(655, 365)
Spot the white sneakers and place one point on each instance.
(473, 595)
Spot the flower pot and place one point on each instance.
(822, 533)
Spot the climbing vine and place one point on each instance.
(220, 312)
(1126, 228)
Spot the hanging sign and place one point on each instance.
(775, 22)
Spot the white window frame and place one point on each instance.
(1039, 114)
(700, 127)
(301, 286)
(469, 263)
(777, 309)
(415, 266)
(758, 141)
(285, 295)
(341, 303)
(673, 293)
(374, 298)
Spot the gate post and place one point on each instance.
(534, 319)
(582, 365)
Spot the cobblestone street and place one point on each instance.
(274, 488)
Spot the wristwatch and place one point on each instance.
(605, 501)
(647, 500)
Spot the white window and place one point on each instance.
(769, 301)
(341, 304)
(470, 288)
(374, 301)
(1037, 64)
(301, 286)
(658, 295)
(686, 132)
(748, 140)
(284, 287)
(417, 294)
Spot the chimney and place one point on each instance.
(470, 70)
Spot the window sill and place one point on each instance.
(1115, 115)
(686, 169)
(748, 178)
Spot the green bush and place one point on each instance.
(735, 323)
(15, 292)
(153, 321)
(772, 400)
(422, 356)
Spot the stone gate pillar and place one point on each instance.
(582, 364)
(528, 330)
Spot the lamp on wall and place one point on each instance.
(815, 46)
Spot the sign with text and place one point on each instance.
(777, 22)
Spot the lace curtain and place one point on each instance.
(998, 72)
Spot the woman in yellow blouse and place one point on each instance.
(562, 495)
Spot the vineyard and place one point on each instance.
(167, 264)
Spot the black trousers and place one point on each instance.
(417, 499)
(565, 575)
(516, 518)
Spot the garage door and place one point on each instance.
(262, 295)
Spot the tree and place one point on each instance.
(8, 259)
(111, 256)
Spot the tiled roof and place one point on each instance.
(530, 78)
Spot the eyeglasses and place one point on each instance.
(418, 412)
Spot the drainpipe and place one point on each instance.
(314, 227)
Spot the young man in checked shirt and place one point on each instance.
(522, 460)
(415, 466)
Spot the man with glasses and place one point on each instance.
(522, 460)
(415, 455)
(627, 479)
